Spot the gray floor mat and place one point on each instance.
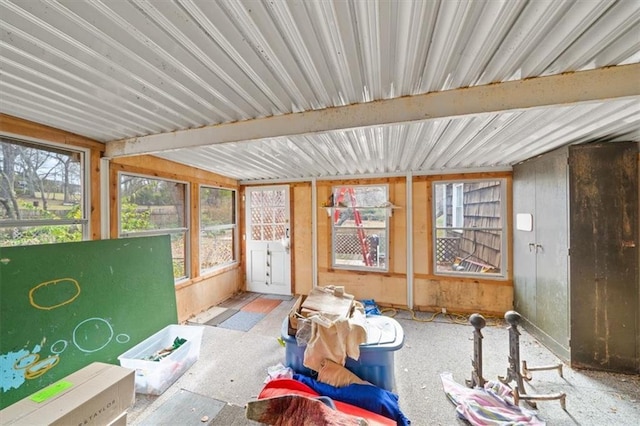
(222, 317)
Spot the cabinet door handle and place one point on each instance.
(531, 246)
(538, 246)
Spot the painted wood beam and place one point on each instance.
(562, 89)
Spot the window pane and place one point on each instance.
(151, 204)
(216, 248)
(217, 207)
(360, 221)
(178, 244)
(40, 183)
(217, 227)
(468, 227)
(154, 207)
(30, 235)
(469, 251)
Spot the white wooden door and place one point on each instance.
(267, 240)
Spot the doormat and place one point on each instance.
(238, 300)
(261, 305)
(242, 321)
(185, 408)
(277, 296)
(222, 317)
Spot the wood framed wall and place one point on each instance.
(199, 292)
(388, 287)
(431, 292)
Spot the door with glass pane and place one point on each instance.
(268, 239)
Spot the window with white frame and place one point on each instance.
(153, 206)
(360, 221)
(218, 232)
(42, 193)
(469, 227)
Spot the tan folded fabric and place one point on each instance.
(337, 375)
(341, 338)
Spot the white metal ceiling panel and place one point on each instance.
(481, 142)
(116, 70)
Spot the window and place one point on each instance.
(42, 196)
(360, 219)
(151, 206)
(469, 225)
(218, 232)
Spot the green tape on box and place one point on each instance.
(50, 391)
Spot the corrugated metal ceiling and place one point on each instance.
(127, 70)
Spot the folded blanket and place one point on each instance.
(372, 398)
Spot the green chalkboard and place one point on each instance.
(64, 306)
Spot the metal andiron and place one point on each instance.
(478, 322)
(514, 374)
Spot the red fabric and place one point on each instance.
(277, 387)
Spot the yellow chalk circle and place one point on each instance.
(41, 367)
(61, 292)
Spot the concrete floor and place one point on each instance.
(233, 366)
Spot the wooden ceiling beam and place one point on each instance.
(540, 92)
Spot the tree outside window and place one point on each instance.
(42, 197)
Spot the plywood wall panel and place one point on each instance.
(463, 296)
(302, 239)
(202, 294)
(421, 233)
(398, 227)
(384, 289)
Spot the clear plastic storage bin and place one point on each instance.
(154, 377)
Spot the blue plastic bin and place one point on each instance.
(376, 362)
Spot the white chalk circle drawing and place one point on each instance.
(123, 338)
(53, 294)
(92, 327)
(22, 365)
(54, 349)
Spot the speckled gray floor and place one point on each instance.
(233, 366)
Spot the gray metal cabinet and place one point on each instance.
(576, 270)
(541, 253)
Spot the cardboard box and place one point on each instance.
(329, 301)
(97, 394)
(154, 377)
(294, 314)
(120, 421)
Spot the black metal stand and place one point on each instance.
(513, 372)
(478, 322)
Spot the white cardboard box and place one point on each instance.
(98, 394)
(154, 377)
